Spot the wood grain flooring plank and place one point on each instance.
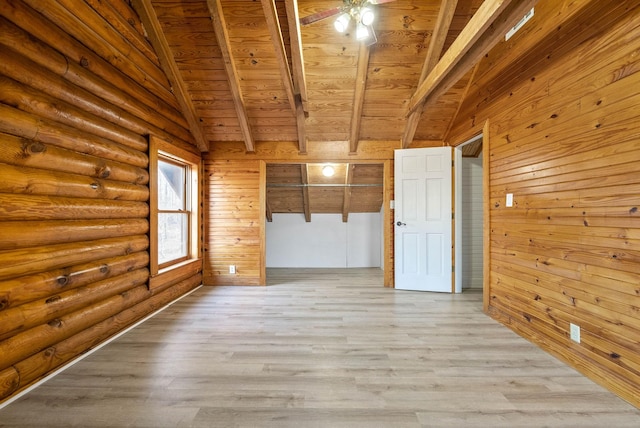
(320, 348)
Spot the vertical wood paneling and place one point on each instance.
(80, 91)
(563, 134)
(235, 217)
(243, 188)
(472, 222)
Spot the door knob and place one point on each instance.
(399, 223)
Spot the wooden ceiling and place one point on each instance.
(247, 71)
(303, 188)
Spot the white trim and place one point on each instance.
(457, 221)
(90, 351)
(459, 216)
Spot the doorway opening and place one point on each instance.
(469, 187)
(316, 220)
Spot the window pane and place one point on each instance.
(172, 236)
(171, 186)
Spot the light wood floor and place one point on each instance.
(320, 348)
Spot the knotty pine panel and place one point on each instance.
(561, 102)
(235, 216)
(81, 90)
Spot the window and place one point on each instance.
(173, 212)
(173, 204)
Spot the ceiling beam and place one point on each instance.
(275, 31)
(439, 37)
(295, 99)
(299, 77)
(346, 201)
(269, 213)
(220, 28)
(168, 63)
(358, 97)
(297, 58)
(304, 173)
(436, 44)
(485, 29)
(301, 117)
(467, 87)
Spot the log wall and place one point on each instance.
(80, 92)
(560, 103)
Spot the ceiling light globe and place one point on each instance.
(328, 171)
(366, 16)
(342, 23)
(362, 32)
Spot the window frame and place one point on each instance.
(162, 150)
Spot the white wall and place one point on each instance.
(472, 222)
(381, 227)
(325, 242)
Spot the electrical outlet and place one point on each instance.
(574, 332)
(509, 201)
(232, 268)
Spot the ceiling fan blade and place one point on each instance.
(380, 1)
(318, 16)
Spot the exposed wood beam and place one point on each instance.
(301, 117)
(439, 37)
(358, 97)
(220, 28)
(346, 202)
(299, 78)
(304, 172)
(440, 31)
(295, 99)
(269, 213)
(317, 151)
(297, 58)
(275, 31)
(159, 42)
(472, 75)
(485, 29)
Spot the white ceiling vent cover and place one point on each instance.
(519, 25)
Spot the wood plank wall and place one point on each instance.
(234, 180)
(235, 222)
(561, 100)
(80, 91)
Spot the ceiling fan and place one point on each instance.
(358, 11)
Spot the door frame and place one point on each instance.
(458, 203)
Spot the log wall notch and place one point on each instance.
(81, 90)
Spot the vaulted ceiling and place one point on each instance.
(249, 71)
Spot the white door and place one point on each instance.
(422, 219)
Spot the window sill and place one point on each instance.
(175, 273)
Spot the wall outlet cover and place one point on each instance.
(509, 200)
(574, 332)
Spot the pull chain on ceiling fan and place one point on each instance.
(358, 11)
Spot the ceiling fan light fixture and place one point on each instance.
(367, 16)
(362, 32)
(328, 171)
(342, 22)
